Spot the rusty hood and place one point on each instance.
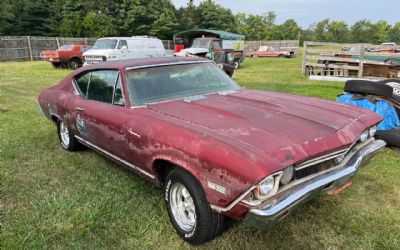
(288, 128)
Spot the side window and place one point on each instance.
(118, 97)
(101, 87)
(122, 43)
(81, 84)
(216, 45)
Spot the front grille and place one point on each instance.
(93, 59)
(313, 169)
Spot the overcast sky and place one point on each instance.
(307, 12)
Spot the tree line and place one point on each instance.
(99, 18)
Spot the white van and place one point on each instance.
(116, 48)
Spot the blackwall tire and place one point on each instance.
(368, 88)
(188, 209)
(236, 64)
(74, 64)
(67, 139)
(391, 137)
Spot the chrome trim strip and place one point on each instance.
(320, 159)
(166, 64)
(40, 109)
(325, 157)
(115, 157)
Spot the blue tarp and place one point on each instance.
(381, 107)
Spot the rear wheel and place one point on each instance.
(188, 209)
(281, 56)
(74, 63)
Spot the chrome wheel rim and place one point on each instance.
(182, 207)
(64, 134)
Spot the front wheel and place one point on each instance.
(188, 209)
(236, 64)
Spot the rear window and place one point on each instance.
(65, 47)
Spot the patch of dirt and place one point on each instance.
(3, 110)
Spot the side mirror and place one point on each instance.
(124, 48)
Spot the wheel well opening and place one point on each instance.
(162, 169)
(74, 59)
(54, 119)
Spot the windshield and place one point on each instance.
(156, 84)
(65, 47)
(201, 43)
(105, 44)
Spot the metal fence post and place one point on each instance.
(30, 48)
(304, 59)
(58, 42)
(361, 63)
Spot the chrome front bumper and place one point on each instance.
(278, 207)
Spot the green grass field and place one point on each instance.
(51, 198)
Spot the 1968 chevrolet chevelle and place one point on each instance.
(219, 151)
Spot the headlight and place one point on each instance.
(372, 131)
(266, 186)
(104, 58)
(364, 136)
(287, 175)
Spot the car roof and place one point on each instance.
(143, 62)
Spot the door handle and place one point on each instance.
(80, 109)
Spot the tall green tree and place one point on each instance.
(6, 17)
(73, 13)
(338, 31)
(289, 30)
(270, 18)
(188, 16)
(32, 18)
(394, 34)
(214, 16)
(380, 32)
(321, 30)
(361, 31)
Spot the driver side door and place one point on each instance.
(99, 111)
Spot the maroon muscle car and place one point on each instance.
(217, 149)
(66, 56)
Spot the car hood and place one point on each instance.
(286, 127)
(193, 51)
(97, 52)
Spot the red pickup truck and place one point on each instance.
(67, 55)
